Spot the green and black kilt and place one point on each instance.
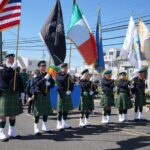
(86, 102)
(107, 99)
(123, 101)
(140, 99)
(64, 103)
(10, 104)
(42, 105)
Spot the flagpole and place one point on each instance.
(49, 62)
(17, 49)
(69, 65)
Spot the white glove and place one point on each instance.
(1, 67)
(34, 76)
(130, 86)
(68, 92)
(47, 77)
(91, 79)
(68, 71)
(14, 65)
(22, 96)
(48, 83)
(30, 99)
(91, 93)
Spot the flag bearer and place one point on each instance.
(42, 82)
(107, 98)
(139, 94)
(10, 103)
(123, 101)
(87, 97)
(65, 87)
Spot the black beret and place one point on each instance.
(142, 70)
(64, 65)
(10, 55)
(123, 73)
(107, 72)
(85, 71)
(41, 62)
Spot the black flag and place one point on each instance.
(53, 35)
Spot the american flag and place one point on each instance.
(2, 4)
(10, 15)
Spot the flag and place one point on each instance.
(147, 48)
(53, 35)
(80, 34)
(100, 64)
(10, 15)
(144, 39)
(2, 4)
(134, 54)
(127, 46)
(143, 33)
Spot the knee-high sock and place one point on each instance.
(87, 114)
(109, 112)
(136, 109)
(82, 114)
(59, 117)
(2, 124)
(141, 109)
(120, 111)
(36, 119)
(125, 111)
(65, 114)
(12, 122)
(45, 118)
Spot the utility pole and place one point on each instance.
(1, 47)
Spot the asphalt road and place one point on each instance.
(115, 136)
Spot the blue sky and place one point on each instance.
(35, 12)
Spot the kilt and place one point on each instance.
(86, 102)
(10, 104)
(123, 101)
(140, 99)
(42, 105)
(64, 103)
(107, 100)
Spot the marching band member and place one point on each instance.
(87, 97)
(139, 94)
(10, 104)
(123, 101)
(65, 87)
(40, 94)
(107, 98)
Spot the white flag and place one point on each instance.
(127, 46)
(134, 54)
(143, 33)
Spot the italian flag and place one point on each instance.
(80, 34)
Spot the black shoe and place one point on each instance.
(47, 132)
(38, 134)
(136, 120)
(5, 140)
(16, 137)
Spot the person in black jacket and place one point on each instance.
(123, 101)
(87, 98)
(107, 98)
(65, 87)
(10, 103)
(40, 88)
(139, 94)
